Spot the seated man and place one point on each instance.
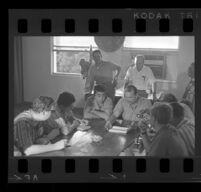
(62, 117)
(98, 105)
(188, 114)
(184, 126)
(28, 135)
(167, 141)
(129, 106)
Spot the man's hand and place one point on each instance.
(75, 124)
(108, 125)
(143, 126)
(43, 141)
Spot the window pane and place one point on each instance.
(158, 42)
(68, 61)
(76, 41)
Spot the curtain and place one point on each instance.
(18, 71)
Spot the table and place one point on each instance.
(111, 144)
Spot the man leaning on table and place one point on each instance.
(140, 76)
(129, 107)
(99, 105)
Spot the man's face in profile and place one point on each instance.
(139, 63)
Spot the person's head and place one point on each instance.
(130, 93)
(139, 62)
(191, 70)
(97, 56)
(99, 92)
(177, 113)
(168, 98)
(42, 107)
(161, 114)
(65, 101)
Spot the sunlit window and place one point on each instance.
(150, 42)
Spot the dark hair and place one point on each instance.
(130, 88)
(42, 103)
(162, 113)
(99, 88)
(188, 103)
(65, 99)
(177, 110)
(169, 98)
(96, 51)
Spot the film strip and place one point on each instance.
(104, 22)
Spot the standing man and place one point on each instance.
(140, 76)
(102, 72)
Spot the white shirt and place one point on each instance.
(140, 79)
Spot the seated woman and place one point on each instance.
(62, 117)
(28, 135)
(167, 141)
(98, 105)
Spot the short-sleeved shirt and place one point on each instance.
(102, 74)
(129, 111)
(107, 104)
(187, 132)
(167, 143)
(140, 79)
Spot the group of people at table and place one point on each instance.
(171, 119)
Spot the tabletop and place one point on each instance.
(112, 144)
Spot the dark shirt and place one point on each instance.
(167, 143)
(102, 74)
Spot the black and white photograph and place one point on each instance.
(104, 96)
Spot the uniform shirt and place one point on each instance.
(140, 79)
(167, 143)
(129, 111)
(187, 132)
(107, 104)
(103, 74)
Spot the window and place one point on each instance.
(150, 42)
(67, 52)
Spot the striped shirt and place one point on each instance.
(187, 132)
(26, 131)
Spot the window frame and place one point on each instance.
(53, 58)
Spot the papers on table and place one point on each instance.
(119, 129)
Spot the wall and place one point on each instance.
(39, 81)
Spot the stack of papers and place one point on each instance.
(118, 129)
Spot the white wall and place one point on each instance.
(39, 81)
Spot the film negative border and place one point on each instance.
(102, 169)
(103, 22)
(184, 22)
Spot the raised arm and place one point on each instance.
(89, 80)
